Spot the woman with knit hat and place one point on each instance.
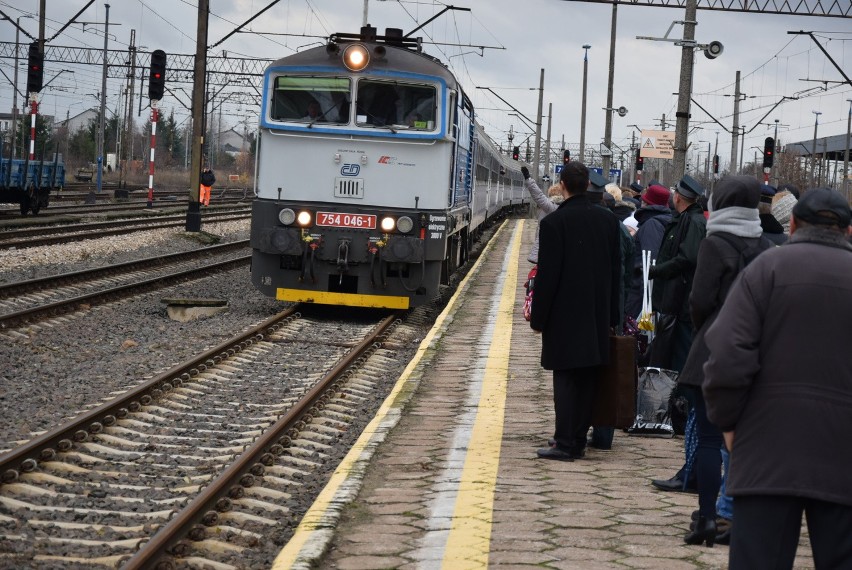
(734, 237)
(652, 219)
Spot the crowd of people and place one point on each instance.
(752, 299)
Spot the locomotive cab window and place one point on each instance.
(396, 105)
(311, 100)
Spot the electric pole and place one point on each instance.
(128, 137)
(581, 158)
(537, 154)
(547, 144)
(735, 131)
(103, 103)
(15, 97)
(608, 123)
(193, 213)
(846, 153)
(685, 90)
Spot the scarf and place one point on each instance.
(742, 222)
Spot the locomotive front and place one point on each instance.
(357, 185)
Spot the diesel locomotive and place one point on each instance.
(373, 176)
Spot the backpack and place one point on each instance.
(207, 178)
(747, 252)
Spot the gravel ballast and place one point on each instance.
(52, 371)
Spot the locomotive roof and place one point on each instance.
(394, 58)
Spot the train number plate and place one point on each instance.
(341, 220)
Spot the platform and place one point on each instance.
(446, 475)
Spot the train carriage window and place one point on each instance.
(396, 105)
(311, 99)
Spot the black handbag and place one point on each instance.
(661, 347)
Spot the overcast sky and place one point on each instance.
(519, 38)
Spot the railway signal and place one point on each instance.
(516, 152)
(640, 161)
(157, 77)
(768, 152)
(35, 69)
(715, 164)
(566, 156)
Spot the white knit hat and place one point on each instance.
(783, 207)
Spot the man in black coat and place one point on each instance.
(673, 275)
(576, 302)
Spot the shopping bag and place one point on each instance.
(615, 395)
(653, 417)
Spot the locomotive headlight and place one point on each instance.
(388, 224)
(356, 57)
(286, 216)
(404, 224)
(304, 218)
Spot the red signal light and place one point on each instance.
(35, 73)
(157, 84)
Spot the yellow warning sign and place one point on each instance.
(657, 144)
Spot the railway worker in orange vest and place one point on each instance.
(207, 181)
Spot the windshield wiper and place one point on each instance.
(330, 109)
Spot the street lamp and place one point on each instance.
(586, 47)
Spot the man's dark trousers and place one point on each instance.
(573, 398)
(766, 532)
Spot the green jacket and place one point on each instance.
(675, 267)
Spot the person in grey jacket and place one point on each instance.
(733, 239)
(546, 204)
(778, 384)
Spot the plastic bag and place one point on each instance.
(653, 418)
(646, 319)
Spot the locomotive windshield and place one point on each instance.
(311, 99)
(401, 105)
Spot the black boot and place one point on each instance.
(705, 531)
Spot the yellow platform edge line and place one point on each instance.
(469, 541)
(349, 299)
(318, 524)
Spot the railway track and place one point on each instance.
(210, 464)
(50, 297)
(49, 235)
(98, 208)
